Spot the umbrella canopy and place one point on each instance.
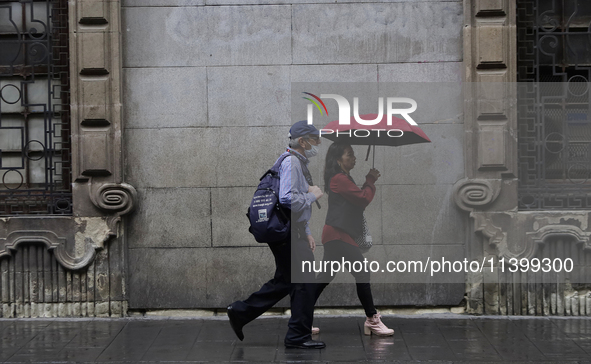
(399, 133)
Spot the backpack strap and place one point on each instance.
(274, 171)
(277, 164)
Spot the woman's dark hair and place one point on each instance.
(331, 166)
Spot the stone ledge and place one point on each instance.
(278, 312)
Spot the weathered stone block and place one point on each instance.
(92, 52)
(341, 294)
(240, 271)
(279, 2)
(248, 96)
(172, 157)
(487, 6)
(409, 288)
(206, 36)
(438, 162)
(437, 102)
(91, 9)
(144, 3)
(165, 97)
(366, 92)
(492, 42)
(421, 72)
(377, 33)
(263, 2)
(235, 166)
(334, 73)
(169, 278)
(171, 218)
(421, 214)
(493, 94)
(492, 143)
(96, 154)
(94, 97)
(228, 221)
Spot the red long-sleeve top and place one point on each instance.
(361, 197)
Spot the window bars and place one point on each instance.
(554, 69)
(34, 108)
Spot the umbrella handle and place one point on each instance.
(373, 162)
(368, 150)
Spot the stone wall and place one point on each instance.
(206, 107)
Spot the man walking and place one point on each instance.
(298, 193)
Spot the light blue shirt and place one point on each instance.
(293, 189)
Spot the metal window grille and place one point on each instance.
(34, 108)
(554, 68)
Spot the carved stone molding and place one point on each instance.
(573, 233)
(470, 194)
(520, 234)
(74, 241)
(484, 225)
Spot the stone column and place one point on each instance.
(92, 273)
(489, 191)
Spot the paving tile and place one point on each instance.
(284, 354)
(585, 345)
(132, 342)
(553, 348)
(6, 352)
(340, 353)
(174, 341)
(432, 353)
(122, 341)
(461, 335)
(431, 339)
(472, 346)
(517, 353)
(78, 354)
(211, 351)
(457, 323)
(573, 326)
(385, 348)
(219, 331)
(97, 334)
(29, 355)
(254, 353)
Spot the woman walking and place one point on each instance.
(344, 223)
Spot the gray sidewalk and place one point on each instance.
(438, 338)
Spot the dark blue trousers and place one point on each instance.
(302, 295)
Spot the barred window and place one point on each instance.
(34, 108)
(554, 69)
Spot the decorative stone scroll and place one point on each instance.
(470, 194)
(114, 197)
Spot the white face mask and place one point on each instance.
(312, 152)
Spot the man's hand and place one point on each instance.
(316, 191)
(312, 243)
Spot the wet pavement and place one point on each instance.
(436, 338)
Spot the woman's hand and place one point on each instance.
(374, 173)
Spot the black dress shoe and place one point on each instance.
(234, 323)
(310, 344)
